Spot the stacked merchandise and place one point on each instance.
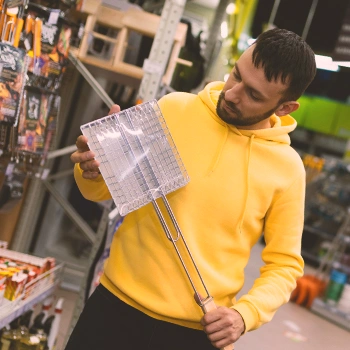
(326, 239)
(338, 290)
(37, 331)
(34, 49)
(17, 270)
(25, 281)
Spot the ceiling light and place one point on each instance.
(326, 63)
(343, 63)
(231, 8)
(224, 30)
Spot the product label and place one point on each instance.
(33, 109)
(33, 122)
(54, 15)
(11, 61)
(13, 65)
(49, 37)
(55, 43)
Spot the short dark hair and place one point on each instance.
(285, 55)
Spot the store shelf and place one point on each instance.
(331, 313)
(310, 256)
(34, 292)
(318, 232)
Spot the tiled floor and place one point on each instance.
(293, 327)
(290, 323)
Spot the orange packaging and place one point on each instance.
(15, 286)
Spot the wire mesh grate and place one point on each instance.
(138, 157)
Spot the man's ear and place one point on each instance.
(287, 108)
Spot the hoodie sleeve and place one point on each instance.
(94, 190)
(282, 257)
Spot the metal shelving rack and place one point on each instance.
(150, 85)
(154, 66)
(331, 313)
(34, 292)
(332, 259)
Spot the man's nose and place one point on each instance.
(233, 94)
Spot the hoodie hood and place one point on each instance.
(280, 126)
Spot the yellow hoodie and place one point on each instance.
(242, 183)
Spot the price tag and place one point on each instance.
(9, 169)
(53, 18)
(45, 174)
(27, 44)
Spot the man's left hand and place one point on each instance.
(223, 326)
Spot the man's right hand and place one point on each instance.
(86, 158)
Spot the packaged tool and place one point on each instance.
(13, 67)
(50, 46)
(32, 125)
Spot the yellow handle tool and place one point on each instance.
(19, 27)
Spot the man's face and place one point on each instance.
(248, 99)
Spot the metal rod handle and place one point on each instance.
(168, 234)
(178, 230)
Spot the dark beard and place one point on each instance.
(235, 116)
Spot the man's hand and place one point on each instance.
(223, 326)
(86, 158)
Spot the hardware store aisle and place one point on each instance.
(293, 327)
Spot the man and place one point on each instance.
(245, 179)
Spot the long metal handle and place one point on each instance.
(170, 237)
(206, 304)
(178, 230)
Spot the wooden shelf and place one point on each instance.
(123, 23)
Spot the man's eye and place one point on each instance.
(254, 97)
(236, 76)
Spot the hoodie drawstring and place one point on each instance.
(247, 184)
(220, 149)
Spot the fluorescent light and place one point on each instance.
(230, 9)
(326, 63)
(322, 58)
(343, 63)
(224, 30)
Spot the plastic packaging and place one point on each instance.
(344, 301)
(52, 339)
(335, 286)
(32, 125)
(13, 67)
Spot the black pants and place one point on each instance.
(107, 323)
